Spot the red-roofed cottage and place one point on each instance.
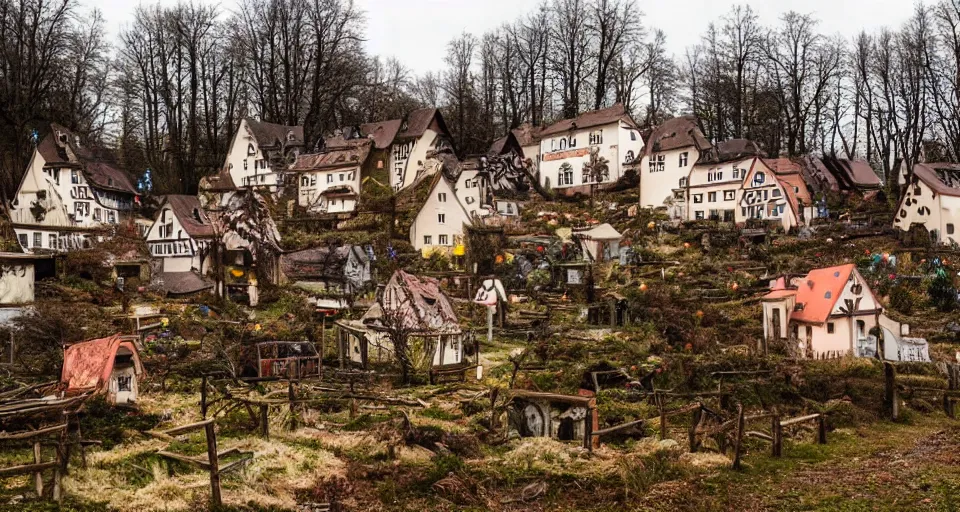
(107, 365)
(832, 312)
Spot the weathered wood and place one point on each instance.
(777, 433)
(738, 440)
(292, 397)
(759, 435)
(264, 422)
(798, 419)
(822, 429)
(617, 428)
(194, 461)
(695, 423)
(30, 434)
(26, 469)
(663, 416)
(176, 431)
(38, 476)
(214, 463)
(953, 382)
(588, 429)
(203, 397)
(234, 465)
(890, 398)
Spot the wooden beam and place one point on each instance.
(202, 464)
(617, 428)
(799, 419)
(188, 428)
(26, 469)
(30, 434)
(211, 432)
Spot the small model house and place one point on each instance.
(716, 178)
(333, 275)
(666, 161)
(109, 366)
(260, 154)
(832, 312)
(599, 243)
(932, 200)
(401, 145)
(20, 273)
(765, 198)
(328, 182)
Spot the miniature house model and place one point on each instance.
(109, 366)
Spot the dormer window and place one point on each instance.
(196, 215)
(251, 149)
(290, 136)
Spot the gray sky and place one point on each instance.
(417, 31)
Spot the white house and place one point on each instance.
(565, 147)
(69, 194)
(715, 180)
(329, 181)
(523, 140)
(669, 155)
(439, 222)
(763, 196)
(932, 200)
(473, 191)
(181, 235)
(832, 312)
(402, 145)
(261, 152)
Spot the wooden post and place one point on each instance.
(203, 397)
(738, 441)
(63, 460)
(353, 408)
(890, 398)
(694, 427)
(776, 430)
(663, 415)
(264, 421)
(822, 429)
(490, 310)
(292, 396)
(949, 402)
(588, 429)
(493, 408)
(38, 476)
(323, 340)
(211, 432)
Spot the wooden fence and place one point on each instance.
(38, 467)
(949, 395)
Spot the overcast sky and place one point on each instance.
(417, 31)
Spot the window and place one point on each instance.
(712, 197)
(736, 173)
(427, 240)
(683, 182)
(596, 137)
(442, 197)
(37, 240)
(112, 217)
(949, 229)
(776, 192)
(729, 195)
(698, 198)
(313, 180)
(714, 175)
(304, 181)
(563, 144)
(251, 150)
(52, 241)
(916, 190)
(341, 176)
(443, 239)
(661, 160)
(74, 177)
(573, 141)
(759, 178)
(329, 178)
(96, 214)
(566, 177)
(633, 135)
(698, 215)
(829, 327)
(442, 218)
(469, 199)
(244, 164)
(23, 240)
(350, 176)
(684, 157)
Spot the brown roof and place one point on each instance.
(87, 366)
(222, 181)
(676, 133)
(942, 178)
(191, 215)
(382, 133)
(730, 150)
(98, 165)
(590, 119)
(788, 172)
(527, 134)
(861, 173)
(270, 134)
(352, 153)
(320, 262)
(418, 121)
(180, 283)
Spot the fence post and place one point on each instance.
(658, 398)
(822, 429)
(292, 396)
(38, 476)
(890, 398)
(694, 426)
(776, 431)
(739, 439)
(211, 433)
(949, 403)
(203, 397)
(264, 421)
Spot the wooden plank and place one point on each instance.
(211, 432)
(30, 434)
(26, 469)
(38, 476)
(759, 435)
(798, 419)
(617, 428)
(738, 440)
(188, 428)
(202, 464)
(234, 465)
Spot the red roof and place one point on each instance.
(87, 366)
(819, 291)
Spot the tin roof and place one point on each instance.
(87, 366)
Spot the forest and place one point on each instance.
(168, 93)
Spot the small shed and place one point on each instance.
(288, 359)
(109, 366)
(599, 243)
(561, 417)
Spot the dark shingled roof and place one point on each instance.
(188, 210)
(381, 133)
(418, 121)
(219, 182)
(523, 135)
(98, 165)
(676, 133)
(942, 178)
(590, 119)
(352, 153)
(730, 150)
(320, 262)
(182, 283)
(270, 134)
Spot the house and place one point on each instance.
(19, 274)
(764, 197)
(790, 173)
(565, 146)
(108, 366)
(415, 305)
(716, 178)
(561, 417)
(288, 359)
(181, 235)
(599, 243)
(473, 189)
(523, 140)
(832, 312)
(829, 174)
(439, 222)
(932, 200)
(666, 161)
(401, 145)
(70, 195)
(260, 154)
(331, 272)
(328, 182)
